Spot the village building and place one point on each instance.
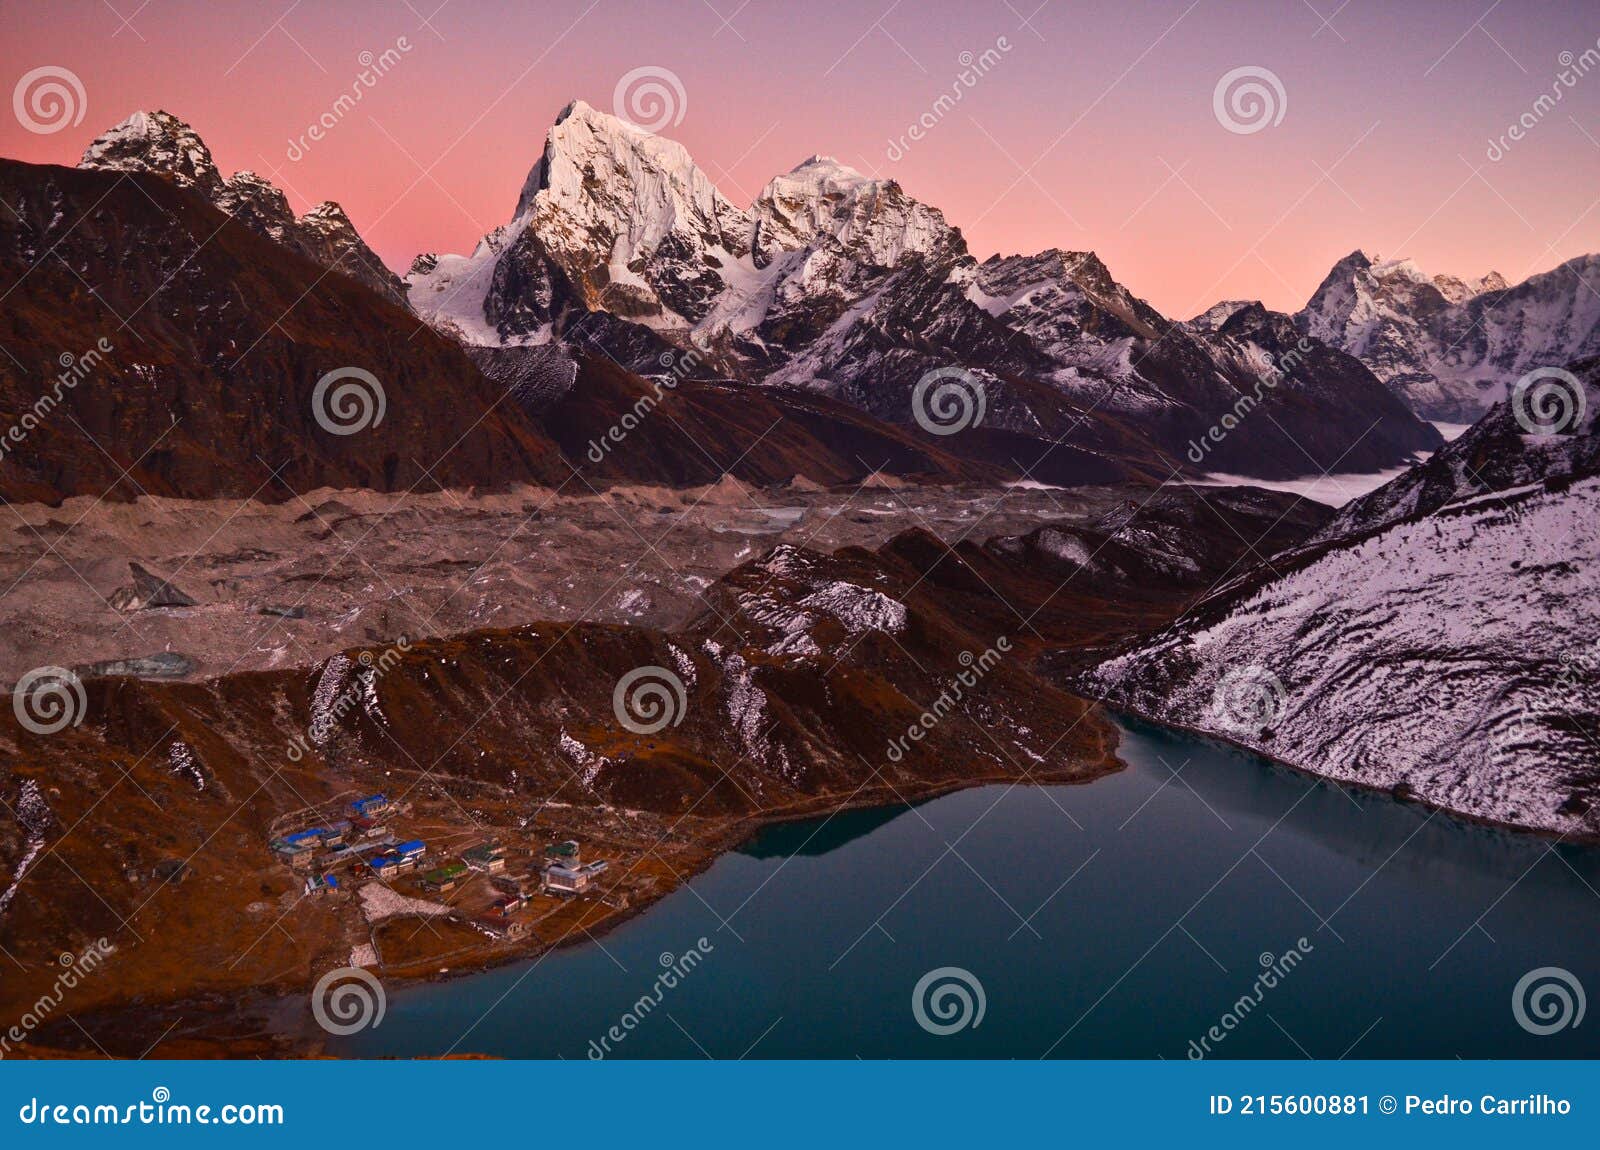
(518, 885)
(488, 857)
(445, 878)
(296, 853)
(573, 880)
(371, 805)
(565, 854)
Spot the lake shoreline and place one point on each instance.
(1249, 855)
(1416, 800)
(274, 1021)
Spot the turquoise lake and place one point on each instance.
(1125, 918)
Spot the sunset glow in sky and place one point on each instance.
(1095, 128)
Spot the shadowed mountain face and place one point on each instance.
(616, 426)
(834, 282)
(214, 342)
(162, 144)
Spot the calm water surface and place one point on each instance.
(1124, 918)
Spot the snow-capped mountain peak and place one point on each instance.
(873, 220)
(160, 143)
(1220, 313)
(1071, 294)
(1458, 290)
(156, 142)
(1449, 346)
(629, 217)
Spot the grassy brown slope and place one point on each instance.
(218, 338)
(694, 431)
(471, 730)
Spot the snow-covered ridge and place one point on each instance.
(160, 143)
(1431, 639)
(1451, 346)
(626, 222)
(873, 220)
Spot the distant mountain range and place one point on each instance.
(839, 283)
(1449, 347)
(832, 291)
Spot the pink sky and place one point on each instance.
(1094, 130)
